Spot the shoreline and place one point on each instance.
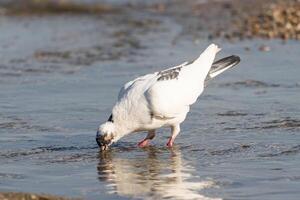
(31, 196)
(230, 20)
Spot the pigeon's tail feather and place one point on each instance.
(222, 65)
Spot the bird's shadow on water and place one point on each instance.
(151, 172)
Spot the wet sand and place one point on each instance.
(60, 75)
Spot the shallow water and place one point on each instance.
(240, 140)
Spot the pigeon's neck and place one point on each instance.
(122, 124)
(124, 118)
(120, 130)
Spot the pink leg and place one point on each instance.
(175, 130)
(170, 142)
(145, 142)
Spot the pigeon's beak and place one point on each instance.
(100, 141)
(104, 147)
(103, 141)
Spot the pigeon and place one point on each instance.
(161, 99)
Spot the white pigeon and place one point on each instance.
(161, 99)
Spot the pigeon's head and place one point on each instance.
(105, 135)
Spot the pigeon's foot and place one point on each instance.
(170, 143)
(143, 143)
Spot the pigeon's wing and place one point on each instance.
(175, 89)
(162, 75)
(138, 85)
(125, 88)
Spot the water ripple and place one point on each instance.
(287, 122)
(258, 84)
(291, 151)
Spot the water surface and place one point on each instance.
(240, 140)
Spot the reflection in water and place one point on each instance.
(151, 174)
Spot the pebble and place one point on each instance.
(279, 20)
(264, 48)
